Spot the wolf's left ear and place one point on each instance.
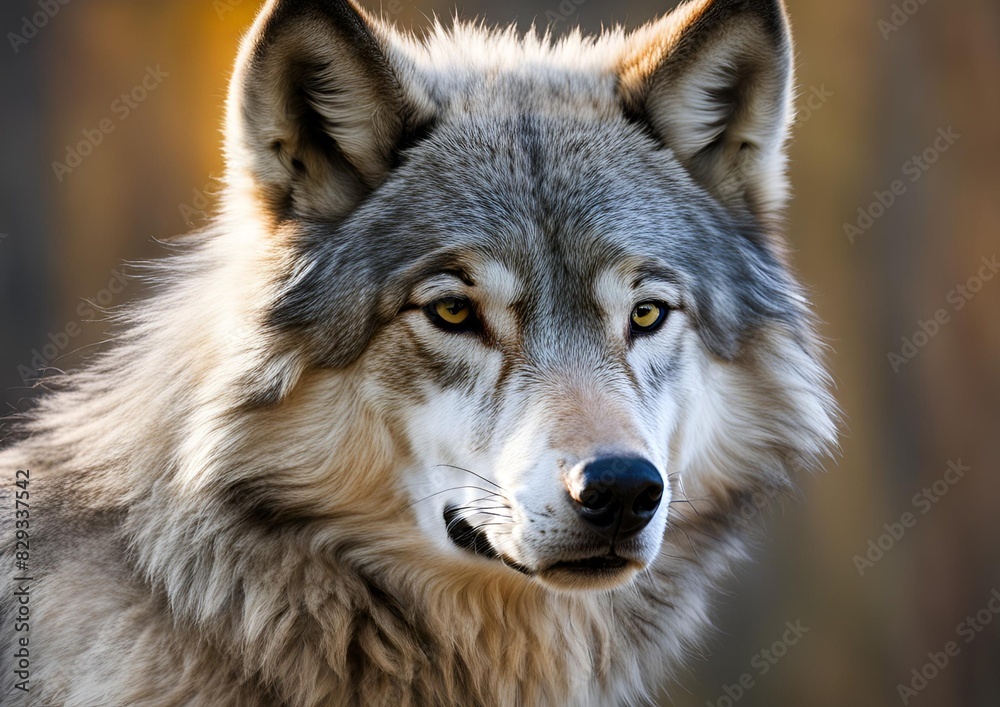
(713, 80)
(315, 111)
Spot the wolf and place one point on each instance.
(465, 396)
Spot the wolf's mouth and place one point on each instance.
(604, 563)
(472, 539)
(597, 572)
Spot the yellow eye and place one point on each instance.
(451, 313)
(647, 316)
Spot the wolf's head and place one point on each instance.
(537, 280)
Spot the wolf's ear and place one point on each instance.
(713, 80)
(315, 111)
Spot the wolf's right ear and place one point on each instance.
(315, 112)
(713, 81)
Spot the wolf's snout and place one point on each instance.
(618, 496)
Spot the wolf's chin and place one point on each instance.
(593, 574)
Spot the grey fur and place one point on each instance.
(231, 494)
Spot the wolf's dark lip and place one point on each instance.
(591, 565)
(468, 537)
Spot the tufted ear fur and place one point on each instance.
(316, 112)
(713, 80)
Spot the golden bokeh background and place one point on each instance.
(878, 79)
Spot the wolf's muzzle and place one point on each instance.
(619, 496)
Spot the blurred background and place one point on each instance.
(111, 112)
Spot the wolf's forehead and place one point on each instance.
(554, 197)
(564, 183)
(556, 203)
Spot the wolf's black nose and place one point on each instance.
(620, 495)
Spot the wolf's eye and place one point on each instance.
(451, 313)
(648, 316)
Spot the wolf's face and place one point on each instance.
(541, 361)
(538, 368)
(547, 270)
